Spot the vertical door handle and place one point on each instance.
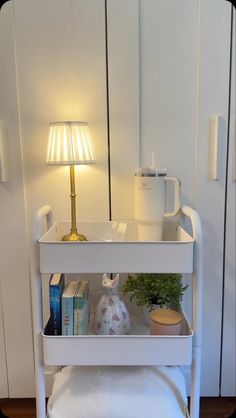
(217, 136)
(234, 151)
(2, 154)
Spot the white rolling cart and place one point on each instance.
(104, 251)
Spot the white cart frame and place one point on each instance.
(38, 267)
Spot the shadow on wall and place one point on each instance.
(2, 415)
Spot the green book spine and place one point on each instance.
(81, 309)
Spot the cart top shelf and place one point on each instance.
(114, 247)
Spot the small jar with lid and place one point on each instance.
(165, 322)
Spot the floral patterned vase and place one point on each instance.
(111, 314)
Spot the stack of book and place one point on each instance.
(69, 307)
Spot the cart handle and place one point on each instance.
(44, 212)
(197, 307)
(36, 295)
(197, 272)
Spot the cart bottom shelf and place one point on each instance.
(138, 348)
(124, 392)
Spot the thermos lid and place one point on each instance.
(150, 172)
(166, 317)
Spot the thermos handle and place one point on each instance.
(176, 196)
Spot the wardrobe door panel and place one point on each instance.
(53, 69)
(228, 382)
(213, 88)
(168, 89)
(152, 72)
(3, 359)
(14, 257)
(62, 76)
(123, 77)
(183, 73)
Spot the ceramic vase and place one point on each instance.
(111, 315)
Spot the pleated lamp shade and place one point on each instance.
(69, 143)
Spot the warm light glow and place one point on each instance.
(69, 143)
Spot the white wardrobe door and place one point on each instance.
(213, 87)
(183, 83)
(59, 65)
(124, 78)
(14, 261)
(152, 72)
(3, 359)
(167, 88)
(228, 382)
(61, 68)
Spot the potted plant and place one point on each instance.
(155, 289)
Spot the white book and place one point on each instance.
(68, 307)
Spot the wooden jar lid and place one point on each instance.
(166, 317)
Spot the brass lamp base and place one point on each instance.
(74, 236)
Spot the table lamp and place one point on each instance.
(70, 143)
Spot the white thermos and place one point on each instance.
(150, 201)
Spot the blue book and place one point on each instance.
(81, 308)
(68, 307)
(56, 286)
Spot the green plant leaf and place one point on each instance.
(155, 289)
